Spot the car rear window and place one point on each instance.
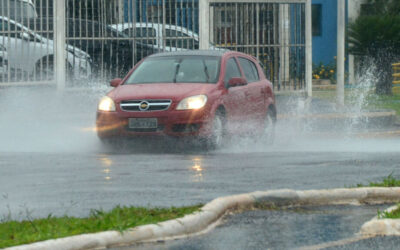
(177, 69)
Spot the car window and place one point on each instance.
(178, 69)
(178, 39)
(249, 70)
(231, 70)
(146, 35)
(9, 29)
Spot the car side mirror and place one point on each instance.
(237, 81)
(115, 82)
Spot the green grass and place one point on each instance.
(388, 181)
(14, 233)
(395, 214)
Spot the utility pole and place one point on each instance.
(340, 52)
(59, 41)
(204, 19)
(308, 49)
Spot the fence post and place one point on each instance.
(308, 34)
(59, 43)
(340, 52)
(204, 19)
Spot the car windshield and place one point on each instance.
(177, 69)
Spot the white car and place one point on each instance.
(33, 55)
(3, 63)
(176, 37)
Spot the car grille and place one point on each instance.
(140, 105)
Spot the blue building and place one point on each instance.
(183, 13)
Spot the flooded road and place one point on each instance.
(51, 161)
(284, 229)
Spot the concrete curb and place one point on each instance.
(378, 226)
(211, 212)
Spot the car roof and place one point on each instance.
(217, 53)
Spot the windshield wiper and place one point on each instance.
(206, 71)
(176, 71)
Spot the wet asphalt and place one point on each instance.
(284, 229)
(51, 162)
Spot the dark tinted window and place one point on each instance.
(250, 70)
(178, 39)
(316, 19)
(9, 29)
(232, 70)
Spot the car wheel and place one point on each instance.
(217, 131)
(269, 127)
(45, 69)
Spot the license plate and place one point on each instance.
(143, 123)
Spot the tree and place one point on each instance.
(376, 35)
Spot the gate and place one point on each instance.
(77, 43)
(272, 31)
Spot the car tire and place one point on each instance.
(269, 127)
(44, 69)
(217, 135)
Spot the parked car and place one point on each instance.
(110, 49)
(202, 94)
(33, 55)
(3, 63)
(176, 37)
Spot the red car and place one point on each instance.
(201, 94)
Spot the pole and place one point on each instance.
(204, 18)
(340, 53)
(59, 42)
(308, 52)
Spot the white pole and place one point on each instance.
(308, 77)
(204, 19)
(59, 42)
(340, 53)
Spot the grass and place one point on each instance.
(395, 214)
(388, 181)
(14, 233)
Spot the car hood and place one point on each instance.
(173, 91)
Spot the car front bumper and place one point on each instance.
(177, 123)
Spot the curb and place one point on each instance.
(378, 226)
(211, 212)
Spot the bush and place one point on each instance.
(377, 37)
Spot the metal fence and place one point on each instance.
(97, 40)
(271, 31)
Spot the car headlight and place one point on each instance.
(193, 102)
(106, 104)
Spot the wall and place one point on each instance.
(325, 46)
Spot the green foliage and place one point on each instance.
(14, 233)
(383, 7)
(372, 35)
(388, 181)
(395, 214)
(376, 36)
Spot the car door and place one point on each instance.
(255, 92)
(22, 44)
(235, 99)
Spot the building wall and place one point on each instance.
(325, 45)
